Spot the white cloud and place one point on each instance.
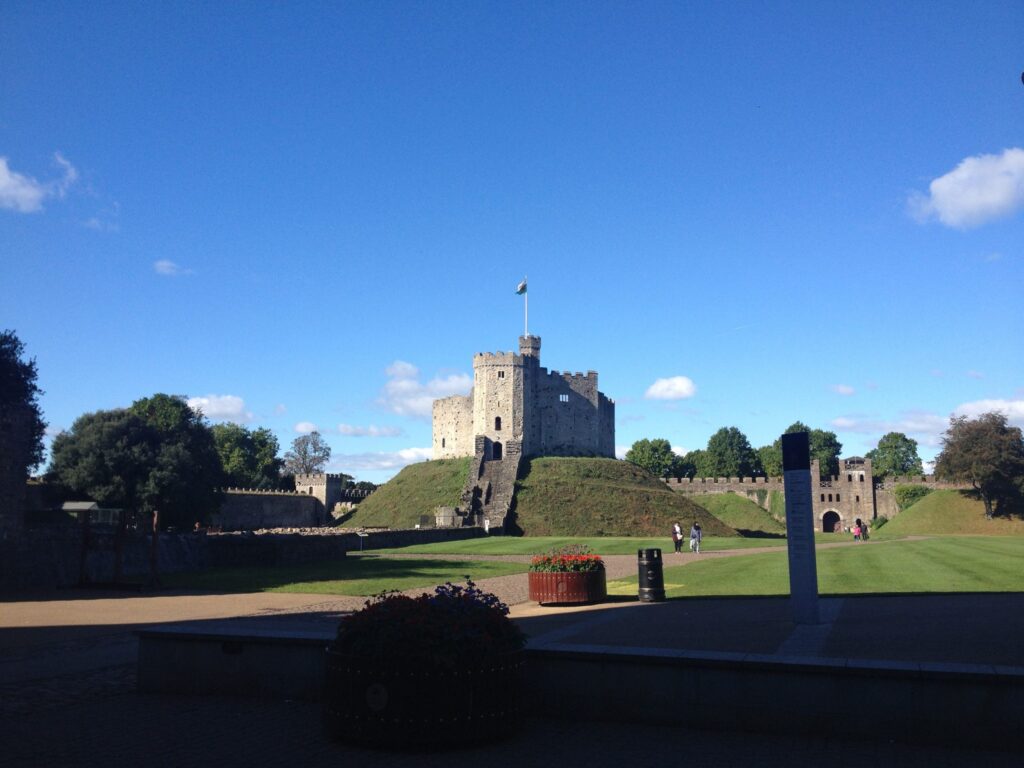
(406, 395)
(354, 462)
(843, 389)
(221, 408)
(680, 451)
(168, 268)
(24, 194)
(371, 431)
(673, 388)
(620, 451)
(305, 427)
(923, 426)
(978, 190)
(1012, 409)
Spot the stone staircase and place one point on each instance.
(490, 487)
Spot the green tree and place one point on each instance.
(825, 447)
(771, 459)
(987, 453)
(729, 455)
(692, 463)
(896, 454)
(21, 421)
(655, 456)
(310, 453)
(157, 455)
(248, 457)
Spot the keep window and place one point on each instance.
(501, 374)
(563, 398)
(497, 423)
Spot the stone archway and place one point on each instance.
(831, 522)
(496, 452)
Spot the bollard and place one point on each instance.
(652, 577)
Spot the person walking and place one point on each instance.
(695, 537)
(677, 537)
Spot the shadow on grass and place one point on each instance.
(752, 534)
(365, 576)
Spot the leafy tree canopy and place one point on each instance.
(655, 456)
(729, 455)
(771, 459)
(21, 421)
(987, 453)
(825, 447)
(248, 457)
(158, 454)
(896, 454)
(309, 453)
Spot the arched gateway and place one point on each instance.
(830, 522)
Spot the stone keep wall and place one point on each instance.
(453, 427)
(514, 398)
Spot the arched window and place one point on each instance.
(823, 497)
(830, 497)
(496, 453)
(497, 423)
(849, 478)
(837, 498)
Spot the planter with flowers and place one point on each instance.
(569, 575)
(434, 670)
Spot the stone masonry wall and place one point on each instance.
(249, 510)
(453, 427)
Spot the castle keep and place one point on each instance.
(518, 408)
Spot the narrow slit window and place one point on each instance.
(497, 423)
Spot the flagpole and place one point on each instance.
(526, 313)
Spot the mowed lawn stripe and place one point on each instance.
(942, 564)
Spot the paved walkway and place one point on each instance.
(67, 678)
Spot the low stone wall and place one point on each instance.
(46, 558)
(246, 511)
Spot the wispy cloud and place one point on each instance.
(672, 388)
(280, 409)
(355, 462)
(24, 194)
(168, 268)
(406, 395)
(924, 426)
(843, 389)
(221, 408)
(980, 189)
(975, 374)
(373, 430)
(1012, 409)
(305, 427)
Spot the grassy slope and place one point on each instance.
(951, 564)
(740, 513)
(417, 490)
(602, 497)
(948, 512)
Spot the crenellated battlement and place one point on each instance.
(496, 358)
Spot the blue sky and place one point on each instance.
(740, 214)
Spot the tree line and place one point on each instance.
(157, 455)
(986, 453)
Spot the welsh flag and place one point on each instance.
(521, 288)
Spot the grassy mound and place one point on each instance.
(417, 490)
(946, 512)
(602, 497)
(742, 514)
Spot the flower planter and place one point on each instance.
(397, 703)
(568, 587)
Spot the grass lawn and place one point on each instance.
(608, 545)
(347, 576)
(942, 564)
(741, 513)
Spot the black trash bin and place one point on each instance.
(652, 577)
